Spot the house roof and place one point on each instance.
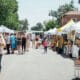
(73, 13)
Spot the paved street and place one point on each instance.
(35, 65)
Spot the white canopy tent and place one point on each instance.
(54, 31)
(66, 28)
(75, 27)
(51, 31)
(5, 29)
(47, 32)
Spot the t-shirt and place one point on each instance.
(33, 36)
(13, 39)
(23, 40)
(8, 40)
(45, 43)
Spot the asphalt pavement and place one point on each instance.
(37, 65)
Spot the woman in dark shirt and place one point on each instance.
(23, 43)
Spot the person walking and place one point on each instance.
(18, 39)
(45, 45)
(28, 42)
(1, 49)
(33, 40)
(23, 43)
(13, 42)
(7, 39)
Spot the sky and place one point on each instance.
(38, 10)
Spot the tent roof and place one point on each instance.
(76, 26)
(64, 28)
(5, 29)
(52, 31)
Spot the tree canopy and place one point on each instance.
(50, 24)
(8, 13)
(38, 27)
(62, 10)
(24, 24)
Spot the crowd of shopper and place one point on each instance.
(64, 46)
(14, 42)
(21, 42)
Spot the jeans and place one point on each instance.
(8, 48)
(45, 49)
(23, 47)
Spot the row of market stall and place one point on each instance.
(66, 39)
(70, 26)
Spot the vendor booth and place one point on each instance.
(51, 31)
(65, 29)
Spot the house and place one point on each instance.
(75, 15)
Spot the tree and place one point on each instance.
(50, 24)
(8, 13)
(34, 28)
(61, 11)
(38, 27)
(24, 24)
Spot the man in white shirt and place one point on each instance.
(33, 40)
(7, 43)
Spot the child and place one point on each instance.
(45, 44)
